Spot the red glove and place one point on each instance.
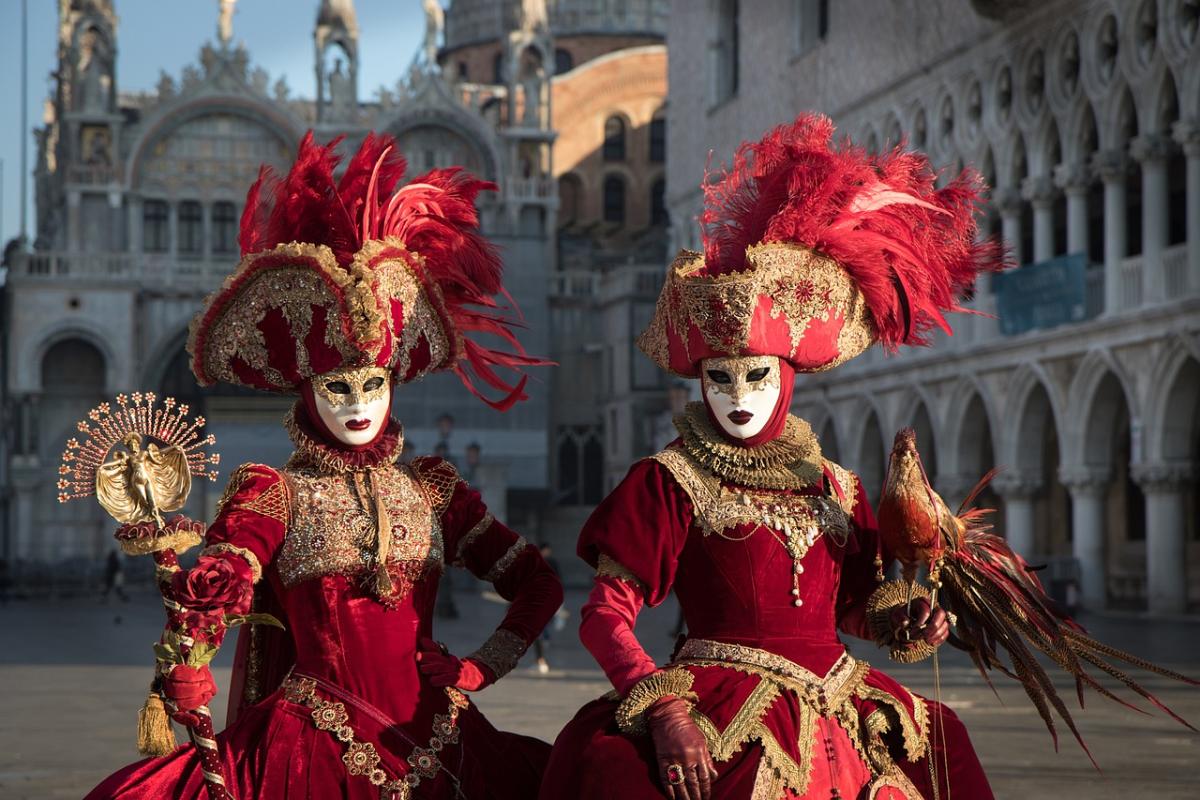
(685, 766)
(444, 669)
(188, 688)
(922, 625)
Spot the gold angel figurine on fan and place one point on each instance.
(152, 475)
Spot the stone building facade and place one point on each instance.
(139, 197)
(1085, 117)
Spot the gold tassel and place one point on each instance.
(383, 534)
(155, 737)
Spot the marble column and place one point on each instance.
(1010, 203)
(1152, 151)
(1088, 487)
(1188, 135)
(1040, 192)
(1074, 180)
(1164, 485)
(1018, 493)
(1111, 166)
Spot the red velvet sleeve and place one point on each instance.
(633, 538)
(858, 568)
(641, 526)
(474, 539)
(252, 518)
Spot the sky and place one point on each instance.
(154, 35)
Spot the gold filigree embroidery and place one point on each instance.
(802, 286)
(469, 538)
(333, 532)
(501, 652)
(274, 502)
(505, 561)
(608, 567)
(630, 714)
(239, 477)
(438, 478)
(356, 380)
(738, 369)
(790, 461)
(847, 482)
(719, 509)
(248, 555)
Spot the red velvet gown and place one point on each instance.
(786, 712)
(306, 526)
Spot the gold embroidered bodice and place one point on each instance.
(332, 527)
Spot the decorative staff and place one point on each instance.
(136, 486)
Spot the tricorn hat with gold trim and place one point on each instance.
(357, 272)
(814, 251)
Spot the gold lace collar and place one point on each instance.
(313, 452)
(792, 460)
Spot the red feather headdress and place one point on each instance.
(813, 251)
(358, 272)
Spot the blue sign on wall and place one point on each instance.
(1042, 295)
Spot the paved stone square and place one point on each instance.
(74, 674)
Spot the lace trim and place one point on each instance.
(607, 567)
(248, 555)
(439, 479)
(719, 508)
(790, 461)
(501, 652)
(631, 713)
(502, 564)
(476, 531)
(315, 454)
(848, 482)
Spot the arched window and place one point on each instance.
(155, 233)
(614, 199)
(658, 204)
(658, 139)
(569, 198)
(224, 227)
(563, 61)
(614, 139)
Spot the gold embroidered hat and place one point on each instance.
(814, 251)
(358, 273)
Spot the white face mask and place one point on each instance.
(741, 392)
(354, 404)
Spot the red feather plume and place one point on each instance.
(909, 247)
(434, 215)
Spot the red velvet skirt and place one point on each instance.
(275, 751)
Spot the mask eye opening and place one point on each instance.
(719, 376)
(338, 387)
(372, 384)
(756, 375)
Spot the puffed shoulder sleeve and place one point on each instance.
(252, 516)
(638, 531)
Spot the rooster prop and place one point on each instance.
(994, 598)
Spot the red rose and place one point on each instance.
(215, 583)
(203, 626)
(188, 688)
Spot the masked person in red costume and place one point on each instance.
(346, 289)
(812, 253)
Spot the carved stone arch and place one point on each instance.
(173, 116)
(825, 424)
(1029, 105)
(1171, 422)
(965, 391)
(944, 141)
(1132, 64)
(995, 121)
(1080, 131)
(1164, 93)
(457, 121)
(1097, 81)
(868, 138)
(1114, 127)
(1081, 399)
(39, 345)
(1019, 429)
(893, 130)
(161, 355)
(1046, 140)
(867, 454)
(1175, 44)
(1008, 165)
(1060, 92)
(1189, 84)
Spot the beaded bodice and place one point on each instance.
(332, 526)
